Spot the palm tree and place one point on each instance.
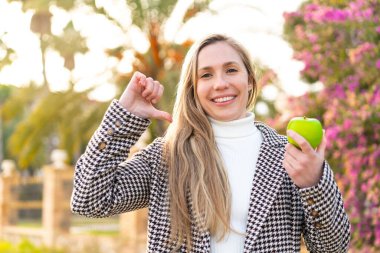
(163, 58)
(5, 91)
(67, 119)
(40, 112)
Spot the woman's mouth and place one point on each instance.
(223, 99)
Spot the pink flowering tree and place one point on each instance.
(339, 43)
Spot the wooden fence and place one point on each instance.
(54, 204)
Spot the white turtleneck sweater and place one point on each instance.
(239, 143)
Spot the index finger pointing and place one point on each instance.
(301, 141)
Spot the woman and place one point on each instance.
(217, 181)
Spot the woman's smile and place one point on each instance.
(223, 100)
(222, 84)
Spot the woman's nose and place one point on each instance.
(220, 83)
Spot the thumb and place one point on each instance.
(321, 148)
(162, 115)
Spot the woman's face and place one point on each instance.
(222, 82)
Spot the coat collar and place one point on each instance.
(266, 182)
(270, 136)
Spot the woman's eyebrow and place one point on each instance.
(205, 68)
(230, 63)
(224, 64)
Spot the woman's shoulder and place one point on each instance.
(155, 148)
(150, 154)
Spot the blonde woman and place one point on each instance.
(217, 181)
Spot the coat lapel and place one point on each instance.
(266, 183)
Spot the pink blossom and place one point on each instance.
(312, 38)
(300, 33)
(362, 141)
(353, 83)
(356, 5)
(339, 92)
(336, 15)
(377, 64)
(311, 7)
(289, 15)
(354, 11)
(367, 14)
(374, 158)
(377, 233)
(316, 48)
(338, 45)
(347, 124)
(357, 53)
(375, 100)
(332, 133)
(366, 46)
(352, 86)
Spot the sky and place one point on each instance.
(257, 24)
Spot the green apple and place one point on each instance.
(308, 128)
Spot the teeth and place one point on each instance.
(223, 99)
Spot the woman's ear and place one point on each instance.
(251, 82)
(250, 86)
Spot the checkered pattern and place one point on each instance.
(106, 184)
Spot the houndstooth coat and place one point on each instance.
(106, 184)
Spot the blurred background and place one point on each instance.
(62, 62)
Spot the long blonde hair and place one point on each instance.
(198, 184)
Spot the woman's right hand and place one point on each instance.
(140, 95)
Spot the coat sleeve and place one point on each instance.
(326, 228)
(104, 182)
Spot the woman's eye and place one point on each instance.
(231, 70)
(206, 75)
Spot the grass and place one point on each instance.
(103, 233)
(80, 222)
(30, 224)
(25, 246)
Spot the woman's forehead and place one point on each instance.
(219, 53)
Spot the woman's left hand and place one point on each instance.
(304, 166)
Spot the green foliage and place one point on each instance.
(43, 5)
(70, 43)
(15, 103)
(5, 91)
(147, 12)
(18, 101)
(37, 5)
(65, 4)
(67, 116)
(37, 120)
(6, 53)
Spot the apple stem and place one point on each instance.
(304, 117)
